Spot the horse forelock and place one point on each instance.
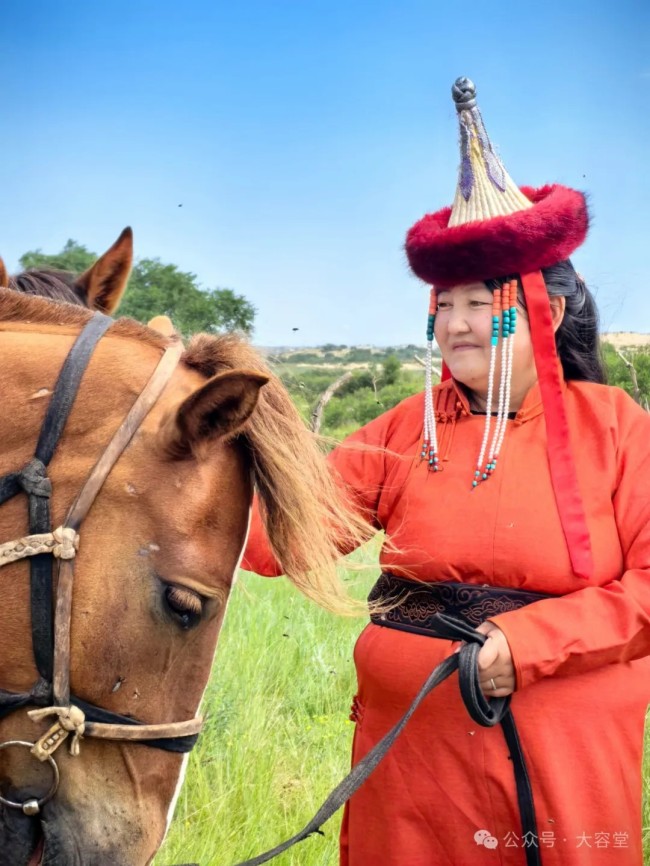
(210, 354)
(48, 283)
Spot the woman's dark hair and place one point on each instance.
(577, 339)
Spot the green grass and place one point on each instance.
(277, 737)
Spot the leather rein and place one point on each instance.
(51, 616)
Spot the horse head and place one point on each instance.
(99, 288)
(156, 559)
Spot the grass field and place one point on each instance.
(277, 738)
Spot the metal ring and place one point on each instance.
(32, 800)
(493, 684)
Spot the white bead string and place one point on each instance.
(502, 433)
(430, 436)
(430, 433)
(506, 373)
(501, 408)
(480, 471)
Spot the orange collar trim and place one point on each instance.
(451, 402)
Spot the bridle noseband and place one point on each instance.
(51, 629)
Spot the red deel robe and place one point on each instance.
(582, 660)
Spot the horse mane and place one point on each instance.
(209, 354)
(48, 283)
(17, 307)
(307, 515)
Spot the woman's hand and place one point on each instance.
(495, 663)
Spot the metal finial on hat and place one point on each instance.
(463, 91)
(485, 189)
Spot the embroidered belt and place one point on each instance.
(417, 604)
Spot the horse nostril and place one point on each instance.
(21, 836)
(37, 856)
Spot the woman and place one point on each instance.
(516, 491)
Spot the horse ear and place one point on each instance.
(4, 276)
(103, 284)
(162, 324)
(217, 409)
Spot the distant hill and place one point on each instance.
(343, 356)
(627, 339)
(332, 354)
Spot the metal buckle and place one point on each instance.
(32, 806)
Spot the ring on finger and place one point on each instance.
(493, 685)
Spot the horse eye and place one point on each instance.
(184, 605)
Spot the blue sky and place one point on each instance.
(304, 138)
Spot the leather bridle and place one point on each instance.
(51, 627)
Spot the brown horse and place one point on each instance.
(158, 552)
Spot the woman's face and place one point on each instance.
(463, 331)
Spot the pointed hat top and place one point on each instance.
(485, 189)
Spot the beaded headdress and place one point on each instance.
(495, 229)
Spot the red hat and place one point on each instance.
(495, 229)
(547, 232)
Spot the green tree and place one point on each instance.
(73, 257)
(635, 381)
(390, 370)
(156, 289)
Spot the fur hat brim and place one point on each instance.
(519, 243)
